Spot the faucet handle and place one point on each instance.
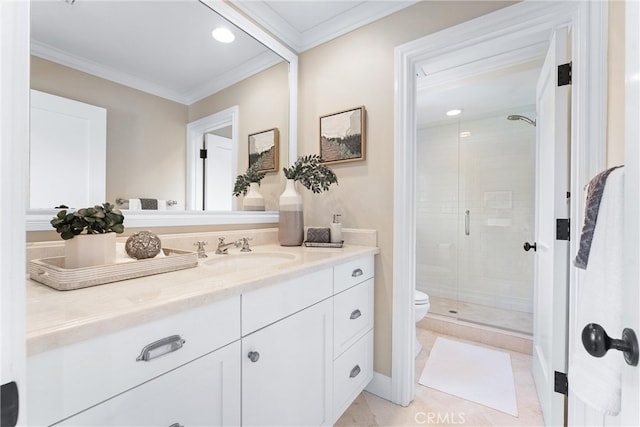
(245, 244)
(201, 245)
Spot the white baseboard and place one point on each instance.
(380, 385)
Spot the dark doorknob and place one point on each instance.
(596, 341)
(528, 246)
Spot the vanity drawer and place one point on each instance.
(212, 384)
(351, 373)
(66, 380)
(353, 315)
(351, 273)
(269, 304)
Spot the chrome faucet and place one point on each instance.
(201, 245)
(245, 244)
(224, 247)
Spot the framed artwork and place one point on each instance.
(342, 136)
(263, 150)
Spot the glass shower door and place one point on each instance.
(496, 196)
(475, 188)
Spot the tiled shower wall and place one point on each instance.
(490, 173)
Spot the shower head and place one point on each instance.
(523, 118)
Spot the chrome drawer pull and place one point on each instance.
(355, 314)
(254, 356)
(355, 371)
(160, 348)
(357, 272)
(176, 425)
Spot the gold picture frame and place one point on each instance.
(343, 136)
(263, 150)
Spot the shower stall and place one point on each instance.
(475, 210)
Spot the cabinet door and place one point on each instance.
(204, 392)
(286, 370)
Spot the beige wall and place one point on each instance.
(146, 134)
(263, 102)
(358, 69)
(615, 122)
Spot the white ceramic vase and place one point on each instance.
(88, 250)
(291, 226)
(253, 200)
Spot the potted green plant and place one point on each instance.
(314, 175)
(89, 234)
(247, 184)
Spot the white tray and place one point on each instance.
(51, 271)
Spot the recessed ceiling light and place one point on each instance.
(223, 35)
(454, 112)
(465, 134)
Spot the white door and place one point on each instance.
(218, 173)
(580, 413)
(66, 132)
(287, 370)
(552, 256)
(630, 407)
(14, 140)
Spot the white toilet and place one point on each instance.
(421, 308)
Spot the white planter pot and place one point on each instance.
(253, 200)
(87, 250)
(291, 226)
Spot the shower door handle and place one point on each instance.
(466, 222)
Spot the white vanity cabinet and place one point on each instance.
(204, 392)
(352, 331)
(287, 348)
(68, 380)
(296, 352)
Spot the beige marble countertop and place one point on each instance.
(57, 318)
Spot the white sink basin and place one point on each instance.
(247, 261)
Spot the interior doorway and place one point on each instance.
(487, 40)
(212, 161)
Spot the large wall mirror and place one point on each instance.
(155, 68)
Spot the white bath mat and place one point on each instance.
(473, 373)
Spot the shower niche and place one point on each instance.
(475, 189)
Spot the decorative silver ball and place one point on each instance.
(142, 245)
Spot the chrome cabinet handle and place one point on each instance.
(160, 348)
(355, 371)
(176, 425)
(355, 314)
(466, 222)
(254, 356)
(357, 272)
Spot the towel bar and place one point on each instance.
(121, 201)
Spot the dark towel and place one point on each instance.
(594, 196)
(318, 235)
(149, 204)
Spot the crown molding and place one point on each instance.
(229, 78)
(360, 15)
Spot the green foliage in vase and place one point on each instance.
(243, 181)
(312, 173)
(93, 220)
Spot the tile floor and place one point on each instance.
(434, 408)
(514, 320)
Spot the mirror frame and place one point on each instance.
(39, 219)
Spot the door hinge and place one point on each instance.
(563, 229)
(10, 404)
(564, 74)
(560, 383)
(203, 153)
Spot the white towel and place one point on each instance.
(162, 205)
(597, 381)
(135, 205)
